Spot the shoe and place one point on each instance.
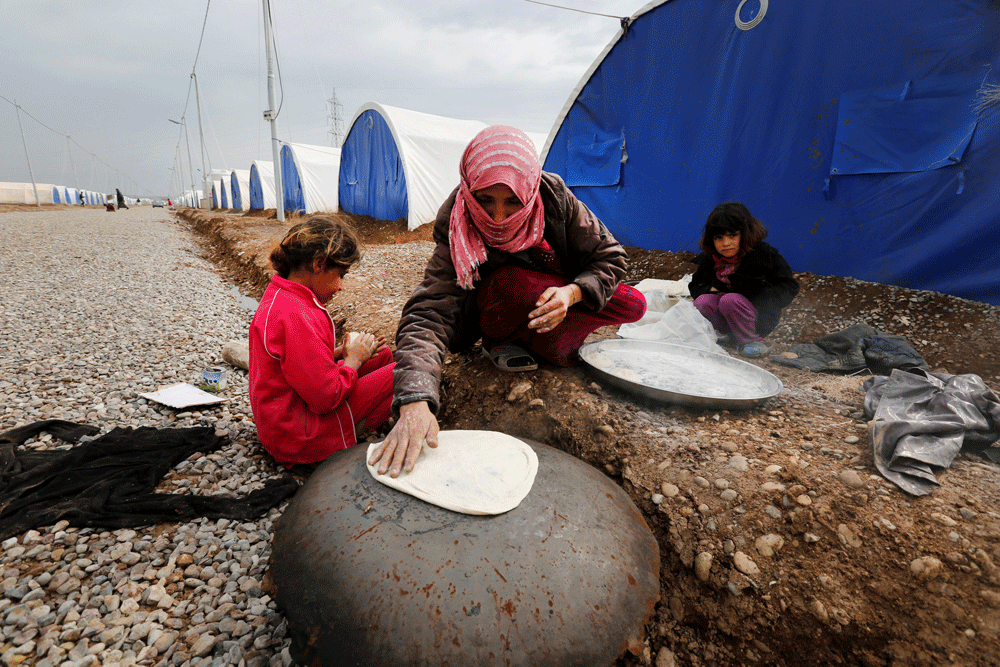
(754, 350)
(512, 359)
(727, 340)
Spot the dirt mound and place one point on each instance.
(780, 544)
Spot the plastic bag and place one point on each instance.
(680, 323)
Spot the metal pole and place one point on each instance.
(179, 160)
(272, 116)
(38, 202)
(187, 140)
(75, 179)
(206, 192)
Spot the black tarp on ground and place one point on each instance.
(109, 482)
(920, 421)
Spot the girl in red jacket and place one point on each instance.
(308, 393)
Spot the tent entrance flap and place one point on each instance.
(907, 127)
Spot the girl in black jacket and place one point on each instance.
(742, 283)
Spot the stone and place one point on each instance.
(703, 565)
(745, 565)
(770, 544)
(669, 490)
(926, 567)
(237, 353)
(518, 391)
(852, 479)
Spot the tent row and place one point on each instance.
(870, 152)
(394, 163)
(24, 193)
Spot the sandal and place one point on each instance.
(754, 350)
(512, 359)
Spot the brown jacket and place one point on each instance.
(442, 316)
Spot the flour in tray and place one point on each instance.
(691, 375)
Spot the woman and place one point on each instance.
(520, 263)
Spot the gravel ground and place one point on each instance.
(96, 310)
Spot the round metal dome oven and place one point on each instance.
(367, 575)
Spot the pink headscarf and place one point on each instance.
(498, 154)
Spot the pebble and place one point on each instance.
(851, 478)
(79, 352)
(851, 439)
(739, 462)
(518, 391)
(669, 490)
(768, 545)
(703, 565)
(744, 564)
(926, 567)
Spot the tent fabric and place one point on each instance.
(262, 185)
(239, 185)
(24, 193)
(220, 187)
(397, 163)
(685, 109)
(309, 177)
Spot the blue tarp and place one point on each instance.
(222, 191)
(372, 181)
(256, 192)
(55, 195)
(855, 131)
(291, 183)
(234, 186)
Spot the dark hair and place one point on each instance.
(730, 217)
(332, 240)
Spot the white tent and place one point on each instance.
(24, 193)
(219, 179)
(397, 163)
(309, 177)
(239, 186)
(262, 185)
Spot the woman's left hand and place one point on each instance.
(552, 307)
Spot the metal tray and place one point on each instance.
(679, 374)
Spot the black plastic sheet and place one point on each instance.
(920, 421)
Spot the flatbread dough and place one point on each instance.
(472, 472)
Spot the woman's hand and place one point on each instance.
(552, 306)
(359, 348)
(401, 447)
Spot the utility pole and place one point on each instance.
(336, 121)
(38, 202)
(68, 150)
(206, 192)
(272, 115)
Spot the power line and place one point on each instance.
(624, 20)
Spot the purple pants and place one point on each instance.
(730, 313)
(509, 294)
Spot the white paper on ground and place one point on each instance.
(472, 472)
(183, 395)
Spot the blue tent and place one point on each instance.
(865, 136)
(262, 194)
(56, 199)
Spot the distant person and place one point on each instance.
(522, 264)
(121, 199)
(109, 205)
(308, 393)
(742, 284)
(169, 203)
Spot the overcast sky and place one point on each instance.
(111, 73)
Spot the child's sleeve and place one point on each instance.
(309, 366)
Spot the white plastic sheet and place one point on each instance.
(671, 317)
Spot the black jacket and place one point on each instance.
(763, 277)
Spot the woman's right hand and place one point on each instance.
(400, 449)
(359, 348)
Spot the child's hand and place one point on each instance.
(359, 348)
